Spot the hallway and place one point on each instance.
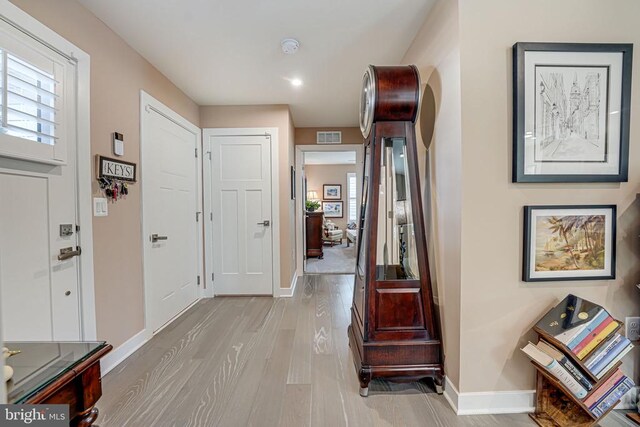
(266, 362)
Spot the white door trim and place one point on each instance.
(300, 149)
(275, 200)
(149, 102)
(32, 27)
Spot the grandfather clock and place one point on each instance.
(394, 331)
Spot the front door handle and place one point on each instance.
(265, 223)
(68, 253)
(155, 238)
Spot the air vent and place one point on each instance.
(330, 137)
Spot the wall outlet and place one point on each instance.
(632, 325)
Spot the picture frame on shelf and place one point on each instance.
(332, 191)
(332, 209)
(571, 112)
(569, 242)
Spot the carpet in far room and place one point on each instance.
(337, 259)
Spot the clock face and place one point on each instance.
(367, 98)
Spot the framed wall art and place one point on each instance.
(332, 209)
(569, 243)
(571, 105)
(332, 191)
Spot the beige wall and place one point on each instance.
(118, 74)
(498, 309)
(278, 116)
(435, 51)
(307, 136)
(318, 175)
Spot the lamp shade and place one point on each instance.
(312, 195)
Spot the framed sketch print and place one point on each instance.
(571, 112)
(332, 209)
(569, 243)
(332, 191)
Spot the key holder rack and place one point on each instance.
(115, 176)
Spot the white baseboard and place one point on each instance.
(119, 354)
(492, 402)
(288, 292)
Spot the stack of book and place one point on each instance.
(581, 347)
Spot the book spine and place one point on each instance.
(597, 340)
(612, 398)
(568, 336)
(571, 368)
(611, 354)
(604, 371)
(599, 318)
(599, 393)
(565, 378)
(595, 358)
(582, 344)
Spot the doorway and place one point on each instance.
(330, 186)
(170, 212)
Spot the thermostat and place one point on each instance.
(118, 144)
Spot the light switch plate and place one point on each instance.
(100, 206)
(633, 328)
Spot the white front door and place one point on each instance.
(40, 300)
(170, 227)
(241, 206)
(38, 201)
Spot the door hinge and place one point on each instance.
(213, 275)
(210, 216)
(196, 152)
(198, 216)
(77, 228)
(198, 280)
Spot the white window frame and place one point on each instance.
(355, 197)
(19, 19)
(23, 44)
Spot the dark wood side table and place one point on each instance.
(58, 373)
(314, 234)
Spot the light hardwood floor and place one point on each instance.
(258, 361)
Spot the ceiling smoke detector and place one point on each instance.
(290, 46)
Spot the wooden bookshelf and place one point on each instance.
(556, 406)
(635, 417)
(570, 355)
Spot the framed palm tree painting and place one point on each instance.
(569, 243)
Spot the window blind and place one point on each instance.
(351, 182)
(29, 100)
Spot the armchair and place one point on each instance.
(332, 234)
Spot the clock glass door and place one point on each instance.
(396, 245)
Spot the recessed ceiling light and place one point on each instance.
(296, 82)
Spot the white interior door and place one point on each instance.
(169, 198)
(40, 300)
(241, 205)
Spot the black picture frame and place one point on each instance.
(519, 95)
(529, 231)
(326, 188)
(330, 214)
(293, 183)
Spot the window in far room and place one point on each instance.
(351, 194)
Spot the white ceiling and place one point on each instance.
(227, 52)
(330, 158)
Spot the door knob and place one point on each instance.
(265, 223)
(155, 238)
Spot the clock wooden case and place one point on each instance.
(394, 331)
